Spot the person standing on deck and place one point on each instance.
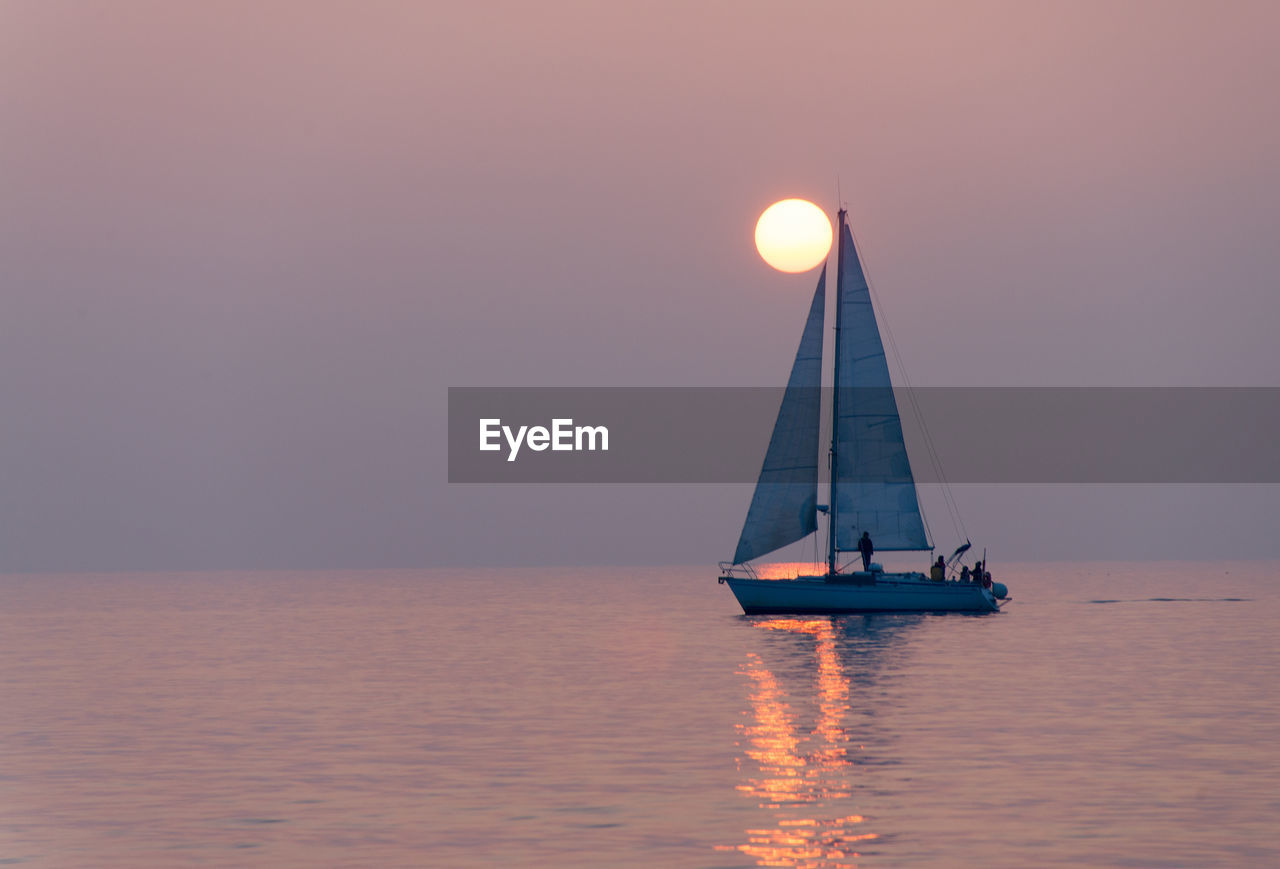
(866, 548)
(938, 572)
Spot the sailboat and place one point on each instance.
(872, 488)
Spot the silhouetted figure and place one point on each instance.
(938, 572)
(866, 548)
(964, 573)
(977, 572)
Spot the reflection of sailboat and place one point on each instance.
(802, 773)
(872, 487)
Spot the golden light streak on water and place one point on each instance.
(790, 569)
(803, 773)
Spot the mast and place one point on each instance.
(832, 512)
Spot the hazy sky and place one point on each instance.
(246, 247)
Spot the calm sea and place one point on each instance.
(1113, 715)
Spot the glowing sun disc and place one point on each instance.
(793, 235)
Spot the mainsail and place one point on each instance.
(873, 489)
(783, 507)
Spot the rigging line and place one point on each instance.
(947, 495)
(927, 435)
(893, 346)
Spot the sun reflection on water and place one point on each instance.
(801, 773)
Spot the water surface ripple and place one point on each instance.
(634, 717)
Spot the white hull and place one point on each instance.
(859, 593)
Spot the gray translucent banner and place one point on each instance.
(980, 435)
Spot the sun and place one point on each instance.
(793, 235)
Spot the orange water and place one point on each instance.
(628, 717)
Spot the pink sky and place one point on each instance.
(246, 247)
